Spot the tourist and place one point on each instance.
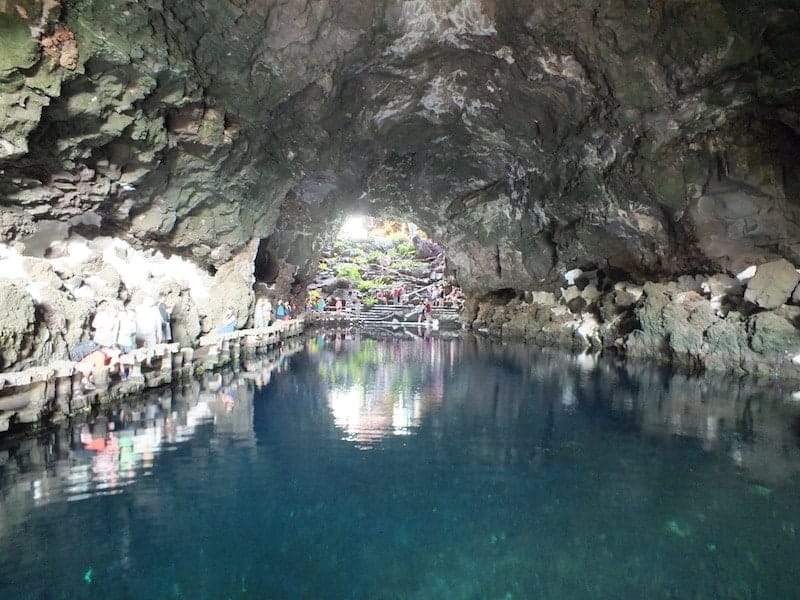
(105, 324)
(268, 311)
(320, 304)
(126, 334)
(99, 357)
(338, 306)
(454, 296)
(280, 312)
(148, 323)
(426, 310)
(166, 321)
(260, 314)
(228, 321)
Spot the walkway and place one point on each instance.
(40, 393)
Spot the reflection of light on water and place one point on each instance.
(406, 414)
(365, 416)
(346, 408)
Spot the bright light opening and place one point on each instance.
(355, 228)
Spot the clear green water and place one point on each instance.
(413, 468)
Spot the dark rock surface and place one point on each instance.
(649, 139)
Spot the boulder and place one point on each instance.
(772, 284)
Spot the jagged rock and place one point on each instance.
(546, 298)
(672, 322)
(570, 293)
(185, 319)
(17, 323)
(646, 144)
(772, 284)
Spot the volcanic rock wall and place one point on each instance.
(648, 138)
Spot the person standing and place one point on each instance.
(166, 322)
(126, 336)
(228, 321)
(148, 323)
(268, 311)
(105, 324)
(259, 319)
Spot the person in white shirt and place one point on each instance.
(105, 324)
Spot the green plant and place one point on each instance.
(348, 270)
(405, 250)
(366, 285)
(370, 301)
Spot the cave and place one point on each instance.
(652, 146)
(610, 410)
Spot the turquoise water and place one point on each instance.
(413, 468)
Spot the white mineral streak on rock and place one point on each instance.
(505, 53)
(796, 359)
(437, 98)
(498, 214)
(425, 21)
(796, 396)
(748, 273)
(565, 66)
(396, 107)
(445, 94)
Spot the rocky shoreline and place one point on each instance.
(746, 325)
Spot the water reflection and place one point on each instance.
(373, 387)
(501, 469)
(110, 448)
(378, 388)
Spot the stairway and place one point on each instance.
(394, 314)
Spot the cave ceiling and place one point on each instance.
(646, 137)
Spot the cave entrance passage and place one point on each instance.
(380, 261)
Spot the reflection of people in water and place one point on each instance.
(227, 395)
(102, 440)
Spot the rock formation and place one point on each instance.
(647, 140)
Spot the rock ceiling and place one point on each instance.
(648, 138)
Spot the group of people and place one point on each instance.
(117, 329)
(439, 298)
(397, 295)
(265, 314)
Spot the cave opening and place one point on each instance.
(379, 260)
